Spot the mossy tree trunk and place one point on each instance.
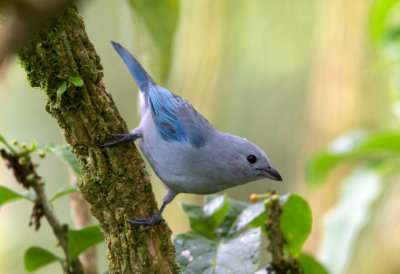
(115, 182)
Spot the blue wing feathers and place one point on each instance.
(175, 118)
(164, 107)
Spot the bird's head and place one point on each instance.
(248, 162)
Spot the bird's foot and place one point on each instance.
(125, 138)
(147, 222)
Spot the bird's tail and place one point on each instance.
(142, 78)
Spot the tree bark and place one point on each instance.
(115, 182)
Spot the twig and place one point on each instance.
(26, 174)
(282, 262)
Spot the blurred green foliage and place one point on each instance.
(81, 239)
(64, 153)
(345, 221)
(7, 195)
(78, 240)
(380, 20)
(37, 257)
(373, 156)
(352, 146)
(159, 19)
(311, 266)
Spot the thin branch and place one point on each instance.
(282, 262)
(81, 216)
(25, 173)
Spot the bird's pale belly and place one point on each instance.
(179, 168)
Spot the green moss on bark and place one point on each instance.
(115, 182)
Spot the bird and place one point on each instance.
(186, 152)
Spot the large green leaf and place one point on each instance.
(296, 221)
(352, 146)
(159, 19)
(351, 213)
(82, 239)
(36, 257)
(218, 247)
(7, 195)
(238, 253)
(65, 154)
(67, 189)
(206, 219)
(311, 265)
(235, 209)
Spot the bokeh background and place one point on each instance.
(291, 76)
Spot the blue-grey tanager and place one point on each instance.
(185, 151)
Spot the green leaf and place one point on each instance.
(379, 18)
(237, 253)
(311, 265)
(206, 219)
(345, 221)
(352, 146)
(7, 195)
(221, 249)
(296, 221)
(159, 19)
(61, 89)
(33, 146)
(82, 239)
(235, 209)
(254, 215)
(76, 81)
(67, 189)
(3, 140)
(36, 257)
(64, 153)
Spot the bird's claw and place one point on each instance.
(125, 138)
(148, 222)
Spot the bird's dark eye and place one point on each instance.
(251, 159)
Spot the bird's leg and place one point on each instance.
(155, 219)
(135, 134)
(149, 222)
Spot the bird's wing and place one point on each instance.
(175, 118)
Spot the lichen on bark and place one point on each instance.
(115, 182)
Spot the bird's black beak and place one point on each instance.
(271, 173)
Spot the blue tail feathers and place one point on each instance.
(142, 78)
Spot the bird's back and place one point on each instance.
(176, 120)
(175, 135)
